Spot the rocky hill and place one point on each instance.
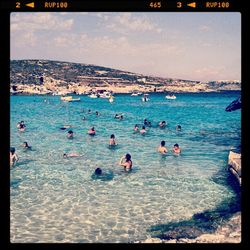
(47, 77)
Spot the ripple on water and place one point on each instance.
(57, 198)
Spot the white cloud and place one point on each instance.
(205, 28)
(26, 39)
(205, 44)
(114, 52)
(39, 21)
(127, 22)
(209, 73)
(103, 15)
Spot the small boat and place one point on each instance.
(136, 93)
(70, 99)
(93, 95)
(170, 96)
(145, 98)
(105, 94)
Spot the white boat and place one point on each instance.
(170, 96)
(105, 94)
(136, 93)
(93, 95)
(145, 98)
(70, 99)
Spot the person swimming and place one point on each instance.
(136, 128)
(176, 149)
(21, 126)
(178, 127)
(162, 149)
(65, 127)
(70, 134)
(126, 162)
(97, 113)
(13, 157)
(147, 123)
(102, 176)
(92, 131)
(98, 171)
(162, 124)
(66, 155)
(112, 141)
(120, 117)
(143, 130)
(26, 146)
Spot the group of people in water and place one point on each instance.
(163, 150)
(13, 155)
(125, 161)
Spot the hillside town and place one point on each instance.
(61, 78)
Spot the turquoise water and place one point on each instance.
(56, 200)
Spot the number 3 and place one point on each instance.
(179, 4)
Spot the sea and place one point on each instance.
(58, 200)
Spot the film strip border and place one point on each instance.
(122, 5)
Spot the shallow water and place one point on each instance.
(56, 200)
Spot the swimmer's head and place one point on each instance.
(25, 144)
(112, 136)
(12, 150)
(65, 155)
(70, 132)
(98, 171)
(178, 127)
(176, 145)
(143, 127)
(162, 143)
(128, 157)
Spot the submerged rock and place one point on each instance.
(228, 232)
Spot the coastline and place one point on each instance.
(125, 92)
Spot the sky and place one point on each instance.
(194, 46)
